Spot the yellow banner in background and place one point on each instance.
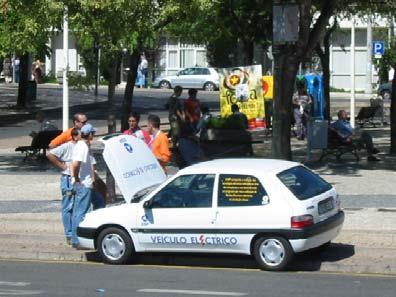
(244, 87)
(268, 87)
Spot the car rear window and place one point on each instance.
(303, 183)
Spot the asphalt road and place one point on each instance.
(53, 279)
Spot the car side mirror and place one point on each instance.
(147, 204)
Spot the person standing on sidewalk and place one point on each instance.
(37, 73)
(79, 120)
(61, 158)
(301, 102)
(176, 114)
(159, 141)
(7, 70)
(135, 130)
(82, 178)
(192, 110)
(143, 67)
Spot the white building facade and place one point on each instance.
(340, 53)
(173, 55)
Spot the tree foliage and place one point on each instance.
(26, 25)
(224, 26)
(25, 28)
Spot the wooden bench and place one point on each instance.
(337, 146)
(39, 144)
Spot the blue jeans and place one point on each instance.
(82, 203)
(190, 151)
(67, 204)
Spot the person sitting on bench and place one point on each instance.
(345, 131)
(45, 125)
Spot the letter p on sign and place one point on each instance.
(378, 48)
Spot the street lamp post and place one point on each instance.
(65, 110)
(352, 108)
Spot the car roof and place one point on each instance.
(242, 165)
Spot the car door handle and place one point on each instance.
(215, 217)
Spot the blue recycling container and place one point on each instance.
(315, 89)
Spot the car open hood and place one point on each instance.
(132, 164)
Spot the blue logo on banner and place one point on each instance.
(128, 147)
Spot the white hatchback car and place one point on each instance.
(270, 209)
(195, 77)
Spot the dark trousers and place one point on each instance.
(365, 141)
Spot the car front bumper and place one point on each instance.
(86, 237)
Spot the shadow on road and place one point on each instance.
(308, 261)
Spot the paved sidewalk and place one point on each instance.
(30, 226)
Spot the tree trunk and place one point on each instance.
(324, 56)
(287, 59)
(128, 95)
(325, 61)
(23, 81)
(393, 115)
(111, 119)
(248, 52)
(285, 70)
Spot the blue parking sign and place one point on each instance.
(378, 48)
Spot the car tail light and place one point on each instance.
(299, 222)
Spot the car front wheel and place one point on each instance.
(115, 246)
(272, 253)
(164, 85)
(209, 86)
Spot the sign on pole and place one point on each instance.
(285, 23)
(378, 48)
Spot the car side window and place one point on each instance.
(186, 191)
(241, 190)
(195, 71)
(205, 71)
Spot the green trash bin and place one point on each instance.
(31, 93)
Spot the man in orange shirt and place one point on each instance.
(159, 143)
(79, 120)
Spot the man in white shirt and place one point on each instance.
(83, 178)
(61, 158)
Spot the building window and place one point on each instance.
(172, 59)
(186, 58)
(201, 58)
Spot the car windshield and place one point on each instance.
(303, 183)
(142, 193)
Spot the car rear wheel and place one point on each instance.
(115, 246)
(272, 253)
(164, 84)
(209, 86)
(386, 95)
